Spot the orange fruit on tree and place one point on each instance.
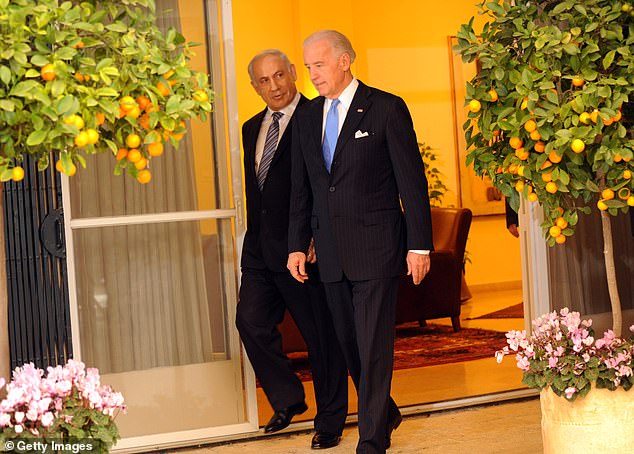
(144, 121)
(144, 176)
(133, 112)
(630, 200)
(126, 103)
(515, 142)
(578, 81)
(474, 105)
(17, 173)
(608, 122)
(602, 205)
(546, 164)
(554, 231)
(48, 72)
(627, 174)
(521, 153)
(101, 118)
(554, 157)
(493, 94)
(134, 155)
(578, 145)
(618, 116)
(141, 163)
(561, 239)
(81, 139)
(72, 171)
(169, 74)
(594, 115)
(513, 169)
(585, 118)
(524, 104)
(559, 210)
(122, 153)
(540, 147)
(532, 197)
(546, 177)
(607, 194)
(142, 101)
(519, 186)
(93, 136)
(530, 126)
(551, 187)
(520, 171)
(627, 159)
(79, 77)
(79, 45)
(155, 149)
(133, 141)
(617, 157)
(561, 222)
(58, 166)
(201, 96)
(535, 135)
(162, 89)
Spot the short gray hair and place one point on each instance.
(337, 40)
(274, 52)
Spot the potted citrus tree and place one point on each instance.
(78, 78)
(546, 115)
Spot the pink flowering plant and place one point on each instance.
(64, 403)
(562, 352)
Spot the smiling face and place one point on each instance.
(329, 72)
(274, 81)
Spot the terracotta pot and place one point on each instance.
(603, 421)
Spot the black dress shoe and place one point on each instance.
(324, 440)
(282, 418)
(391, 427)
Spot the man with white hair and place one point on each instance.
(355, 161)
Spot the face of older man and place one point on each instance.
(329, 74)
(274, 82)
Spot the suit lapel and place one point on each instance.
(251, 140)
(359, 107)
(284, 142)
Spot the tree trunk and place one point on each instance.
(610, 270)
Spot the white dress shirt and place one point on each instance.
(345, 100)
(266, 122)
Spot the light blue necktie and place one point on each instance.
(330, 134)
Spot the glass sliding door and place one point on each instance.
(153, 269)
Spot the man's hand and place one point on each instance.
(297, 266)
(311, 256)
(417, 266)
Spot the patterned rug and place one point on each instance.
(515, 311)
(428, 346)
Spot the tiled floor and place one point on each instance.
(493, 429)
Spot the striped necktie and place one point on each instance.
(270, 145)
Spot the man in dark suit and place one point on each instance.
(355, 161)
(266, 288)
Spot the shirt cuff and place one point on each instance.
(419, 251)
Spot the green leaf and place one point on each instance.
(57, 88)
(608, 59)
(36, 138)
(571, 49)
(5, 74)
(7, 104)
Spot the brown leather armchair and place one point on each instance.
(438, 296)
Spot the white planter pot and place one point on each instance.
(601, 422)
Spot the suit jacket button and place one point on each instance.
(264, 211)
(331, 189)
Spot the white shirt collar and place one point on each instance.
(346, 96)
(288, 110)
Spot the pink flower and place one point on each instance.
(47, 419)
(18, 429)
(3, 382)
(552, 362)
(523, 363)
(5, 419)
(570, 391)
(19, 416)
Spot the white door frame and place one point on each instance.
(226, 135)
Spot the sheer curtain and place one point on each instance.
(142, 289)
(577, 270)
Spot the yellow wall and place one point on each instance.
(402, 48)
